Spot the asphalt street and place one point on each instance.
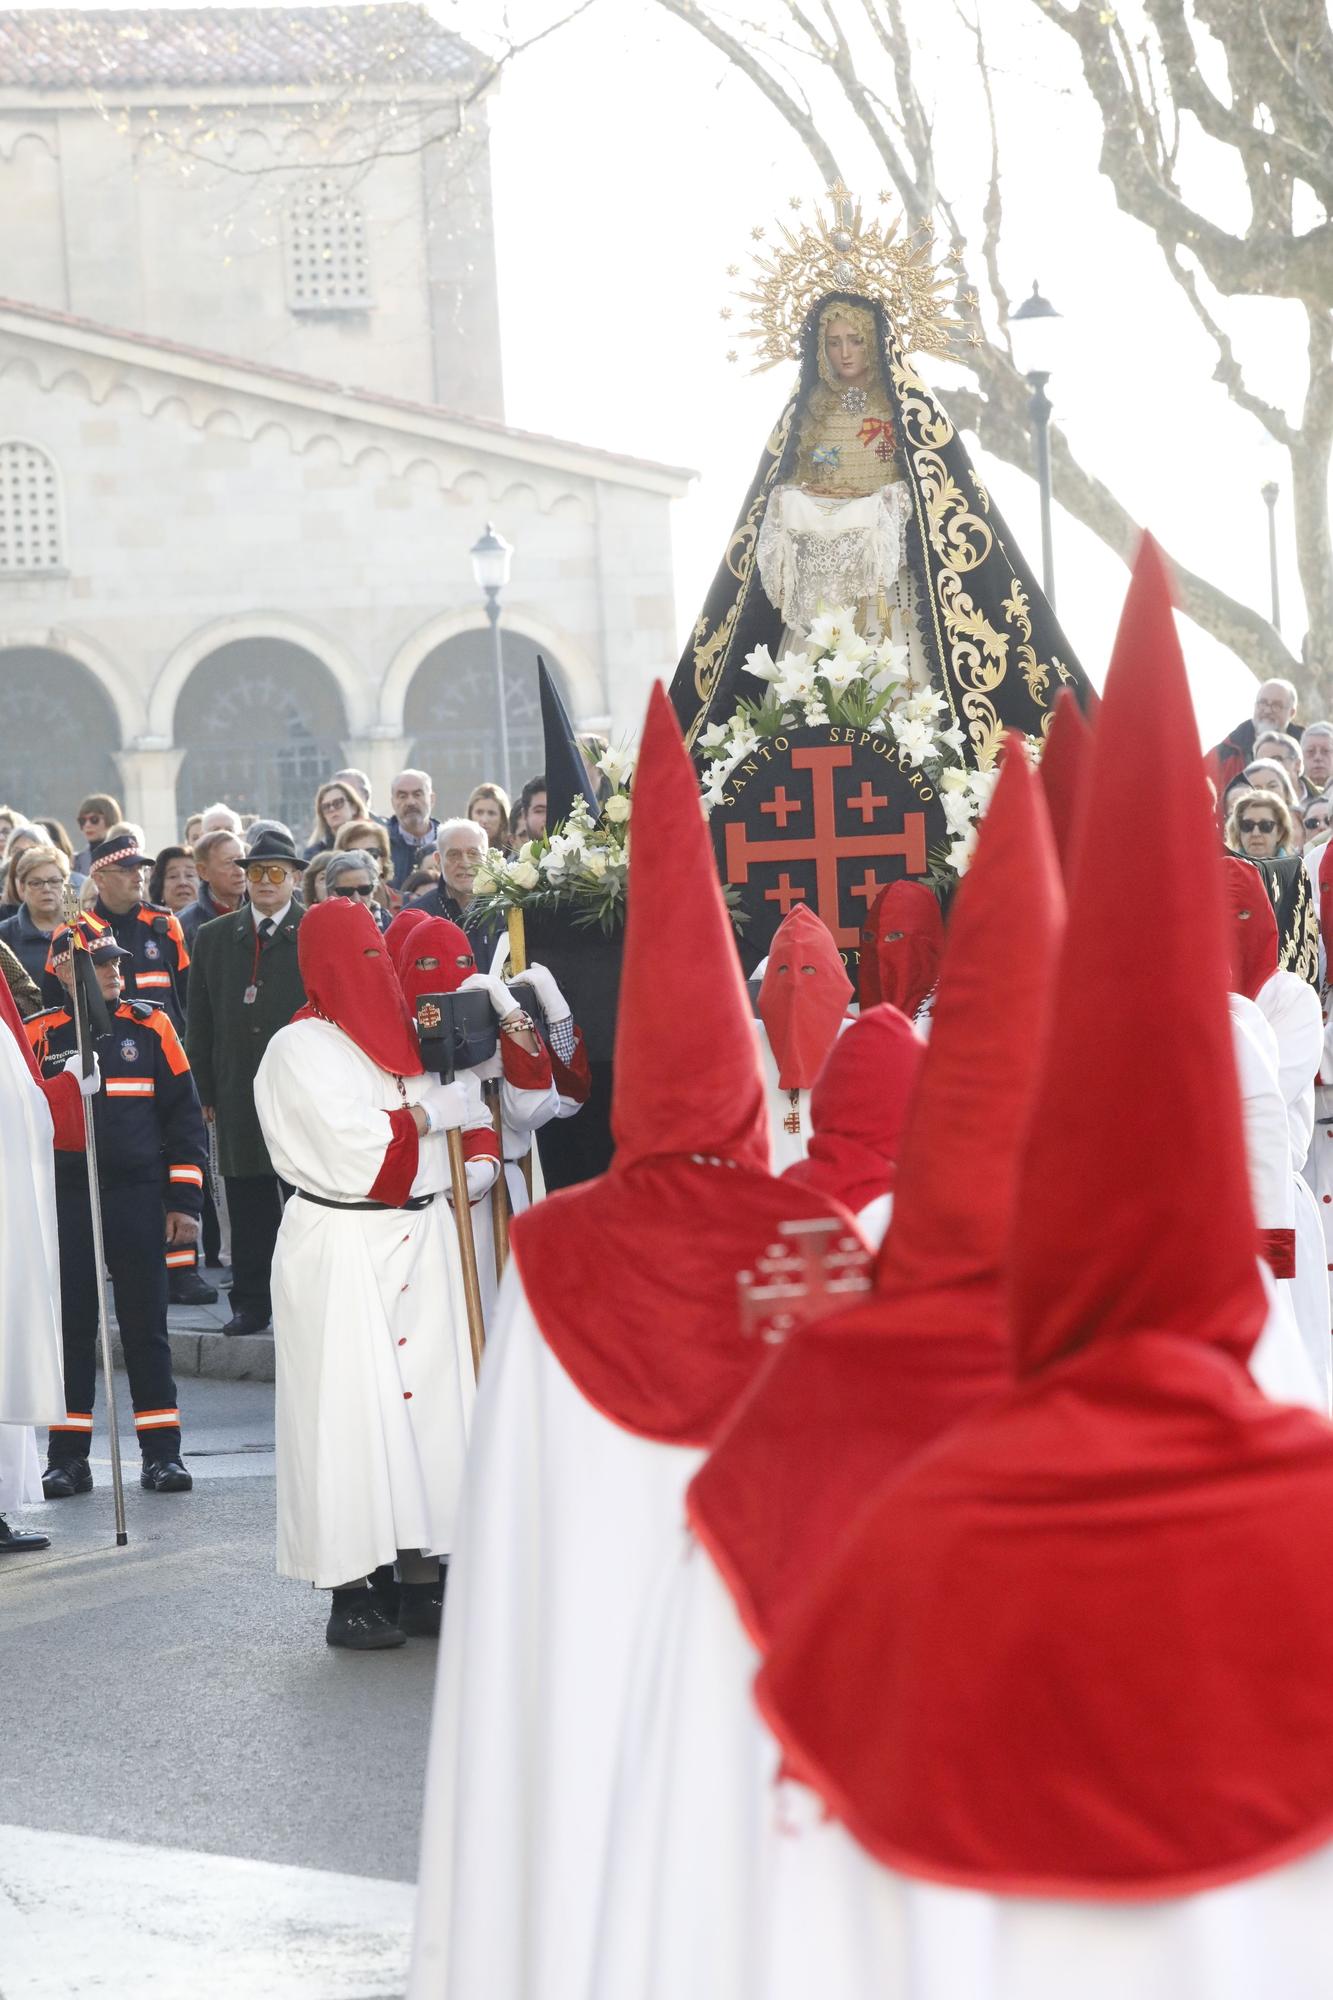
(177, 1695)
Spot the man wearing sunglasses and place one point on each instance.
(245, 984)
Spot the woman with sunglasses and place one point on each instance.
(335, 805)
(352, 874)
(1260, 827)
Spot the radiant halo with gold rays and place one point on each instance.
(845, 253)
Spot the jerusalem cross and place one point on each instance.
(823, 844)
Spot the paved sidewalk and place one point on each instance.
(199, 1346)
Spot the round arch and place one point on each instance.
(59, 731)
(580, 682)
(261, 721)
(449, 718)
(127, 701)
(354, 688)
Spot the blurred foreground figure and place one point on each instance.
(617, 1353)
(33, 1115)
(1076, 1658)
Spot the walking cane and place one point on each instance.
(500, 1192)
(88, 1002)
(467, 1246)
(518, 962)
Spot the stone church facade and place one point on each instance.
(251, 421)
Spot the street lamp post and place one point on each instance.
(1269, 491)
(491, 557)
(1034, 325)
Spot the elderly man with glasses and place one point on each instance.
(245, 984)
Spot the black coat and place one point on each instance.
(225, 1039)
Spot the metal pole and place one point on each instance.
(1039, 409)
(500, 1192)
(493, 614)
(99, 1262)
(1269, 491)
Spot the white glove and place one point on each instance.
(447, 1106)
(88, 1085)
(554, 1004)
(501, 998)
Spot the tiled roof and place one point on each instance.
(136, 49)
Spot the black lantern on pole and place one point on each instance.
(491, 558)
(1036, 329)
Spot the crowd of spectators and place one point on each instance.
(237, 886)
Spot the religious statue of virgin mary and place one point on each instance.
(866, 500)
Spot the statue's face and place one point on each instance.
(848, 355)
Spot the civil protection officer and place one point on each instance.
(155, 967)
(151, 1148)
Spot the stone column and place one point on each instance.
(381, 753)
(149, 767)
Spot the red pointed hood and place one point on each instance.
(802, 997)
(909, 942)
(405, 921)
(1128, 1090)
(858, 1108)
(1081, 1647)
(350, 981)
(688, 1078)
(1254, 939)
(849, 1398)
(434, 956)
(1064, 762)
(632, 1277)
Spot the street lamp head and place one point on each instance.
(491, 557)
(1036, 329)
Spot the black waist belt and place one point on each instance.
(413, 1201)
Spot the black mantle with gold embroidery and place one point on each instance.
(994, 645)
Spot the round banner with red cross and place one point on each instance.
(827, 817)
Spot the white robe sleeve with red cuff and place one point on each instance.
(528, 1097)
(1267, 1144)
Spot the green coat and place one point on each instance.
(224, 1039)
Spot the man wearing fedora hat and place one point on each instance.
(154, 963)
(245, 984)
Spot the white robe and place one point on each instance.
(32, 1385)
(1291, 1008)
(374, 1371)
(787, 1147)
(522, 1114)
(569, 1525)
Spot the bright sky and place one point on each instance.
(630, 165)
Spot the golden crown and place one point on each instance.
(844, 253)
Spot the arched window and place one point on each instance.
(327, 266)
(30, 538)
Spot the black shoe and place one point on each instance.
(62, 1481)
(20, 1541)
(165, 1475)
(187, 1288)
(386, 1590)
(242, 1321)
(357, 1622)
(421, 1609)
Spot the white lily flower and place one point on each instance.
(712, 794)
(961, 851)
(924, 705)
(957, 810)
(835, 632)
(913, 739)
(953, 737)
(841, 671)
(981, 784)
(716, 734)
(762, 665)
(616, 764)
(743, 743)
